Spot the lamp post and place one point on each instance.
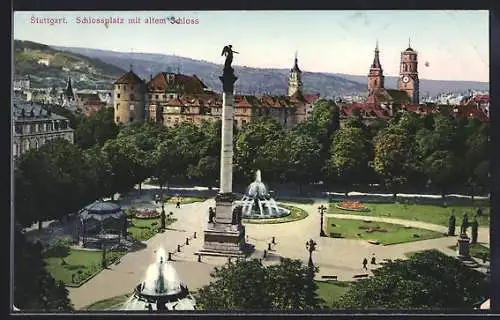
(321, 210)
(311, 246)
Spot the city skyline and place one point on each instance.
(326, 41)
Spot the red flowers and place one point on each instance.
(147, 214)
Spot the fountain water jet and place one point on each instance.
(161, 289)
(257, 202)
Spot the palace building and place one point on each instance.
(34, 126)
(171, 98)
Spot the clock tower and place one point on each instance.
(408, 74)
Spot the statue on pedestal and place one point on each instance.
(474, 228)
(211, 215)
(451, 225)
(465, 224)
(237, 215)
(228, 78)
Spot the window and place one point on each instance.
(244, 122)
(131, 107)
(56, 125)
(156, 96)
(117, 106)
(132, 97)
(18, 129)
(118, 96)
(26, 145)
(118, 119)
(118, 87)
(131, 119)
(164, 96)
(32, 128)
(171, 96)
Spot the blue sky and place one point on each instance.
(454, 43)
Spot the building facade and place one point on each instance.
(408, 82)
(33, 126)
(129, 99)
(171, 98)
(408, 74)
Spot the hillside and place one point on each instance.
(92, 68)
(84, 71)
(255, 80)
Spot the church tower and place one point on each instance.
(408, 74)
(69, 90)
(295, 78)
(376, 75)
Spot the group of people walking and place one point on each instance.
(365, 262)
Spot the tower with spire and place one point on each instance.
(69, 94)
(408, 74)
(376, 74)
(295, 78)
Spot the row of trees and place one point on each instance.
(427, 280)
(409, 150)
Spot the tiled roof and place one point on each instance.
(165, 81)
(31, 111)
(88, 96)
(397, 96)
(310, 98)
(129, 78)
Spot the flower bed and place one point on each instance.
(351, 206)
(147, 214)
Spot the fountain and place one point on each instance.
(161, 289)
(257, 203)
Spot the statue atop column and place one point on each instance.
(228, 78)
(228, 52)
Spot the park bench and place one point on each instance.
(359, 276)
(329, 277)
(376, 242)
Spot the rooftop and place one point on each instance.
(23, 110)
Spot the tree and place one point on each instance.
(250, 147)
(34, 288)
(207, 170)
(250, 285)
(392, 157)
(302, 158)
(124, 158)
(418, 282)
(349, 156)
(96, 129)
(237, 286)
(441, 168)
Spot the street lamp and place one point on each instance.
(322, 210)
(311, 246)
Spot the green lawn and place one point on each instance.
(330, 291)
(82, 263)
(477, 250)
(295, 214)
(418, 212)
(107, 304)
(144, 229)
(350, 229)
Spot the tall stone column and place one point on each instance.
(225, 235)
(226, 156)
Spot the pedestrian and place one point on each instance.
(373, 259)
(365, 262)
(178, 204)
(485, 256)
